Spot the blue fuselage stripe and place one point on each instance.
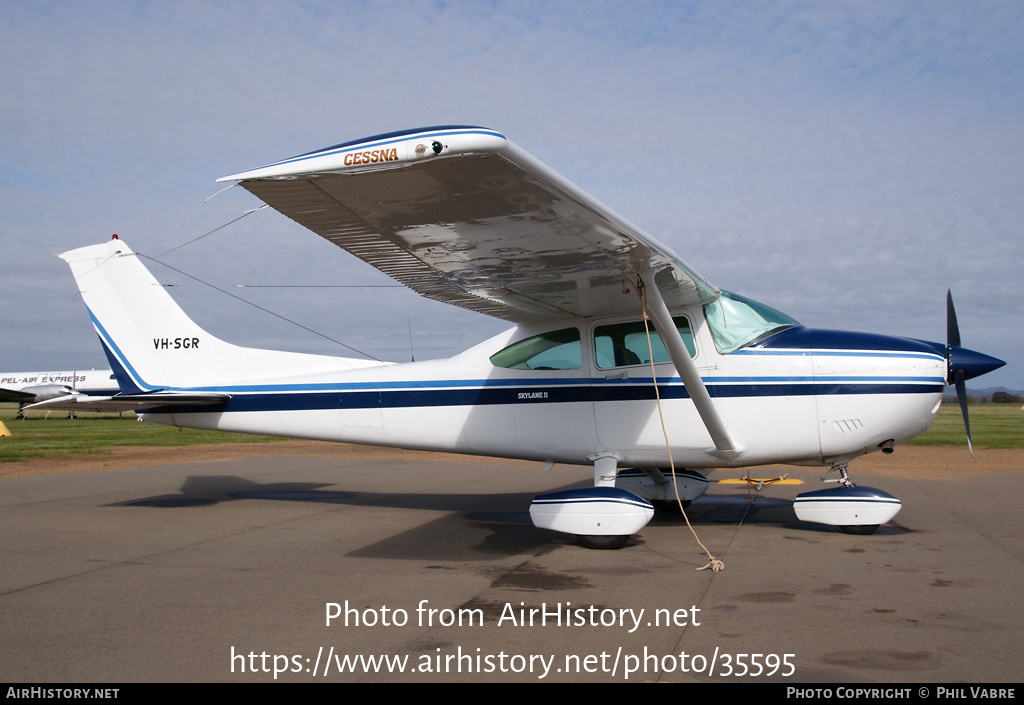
(342, 399)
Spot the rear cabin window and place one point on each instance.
(625, 344)
(557, 350)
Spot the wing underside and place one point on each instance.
(461, 215)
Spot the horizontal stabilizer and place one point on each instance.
(131, 402)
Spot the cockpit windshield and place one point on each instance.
(736, 321)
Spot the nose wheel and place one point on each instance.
(855, 510)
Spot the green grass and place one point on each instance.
(992, 426)
(96, 434)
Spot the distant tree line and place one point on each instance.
(996, 398)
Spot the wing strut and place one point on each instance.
(725, 447)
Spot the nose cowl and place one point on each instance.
(974, 364)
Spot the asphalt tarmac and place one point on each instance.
(350, 570)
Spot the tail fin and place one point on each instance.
(152, 344)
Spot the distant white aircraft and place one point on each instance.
(622, 356)
(62, 389)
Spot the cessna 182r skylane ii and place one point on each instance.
(460, 214)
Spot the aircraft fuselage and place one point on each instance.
(800, 396)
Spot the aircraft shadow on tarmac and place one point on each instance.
(492, 524)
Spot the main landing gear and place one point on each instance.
(663, 490)
(855, 510)
(603, 543)
(620, 503)
(602, 517)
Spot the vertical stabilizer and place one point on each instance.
(152, 344)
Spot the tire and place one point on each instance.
(669, 506)
(860, 529)
(603, 543)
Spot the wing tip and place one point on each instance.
(341, 156)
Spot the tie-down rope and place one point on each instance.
(713, 563)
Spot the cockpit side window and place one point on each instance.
(625, 344)
(556, 350)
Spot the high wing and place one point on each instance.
(461, 215)
(17, 395)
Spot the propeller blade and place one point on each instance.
(960, 380)
(962, 365)
(952, 329)
(956, 377)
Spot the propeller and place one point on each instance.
(963, 364)
(957, 377)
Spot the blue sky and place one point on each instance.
(845, 163)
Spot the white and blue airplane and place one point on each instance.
(622, 356)
(61, 389)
